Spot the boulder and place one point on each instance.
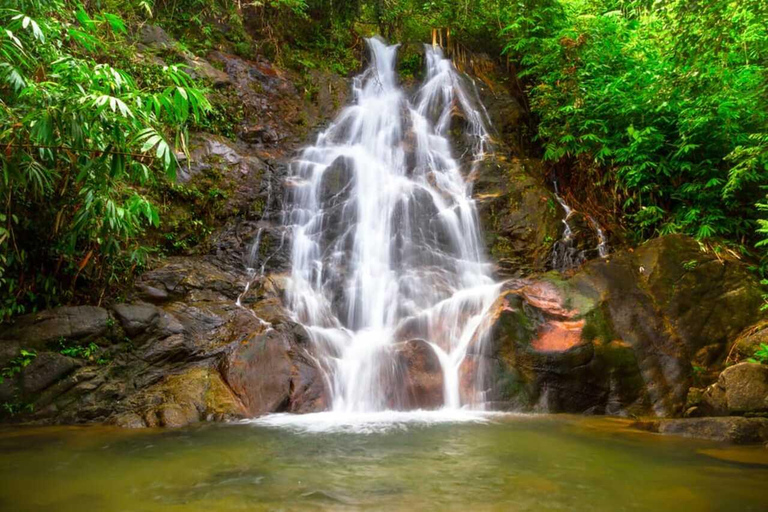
(181, 399)
(155, 37)
(619, 336)
(270, 370)
(201, 68)
(740, 389)
(423, 375)
(136, 318)
(749, 342)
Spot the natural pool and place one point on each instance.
(406, 462)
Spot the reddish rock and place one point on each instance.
(272, 371)
(546, 297)
(424, 387)
(259, 372)
(556, 336)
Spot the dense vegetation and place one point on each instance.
(82, 139)
(654, 111)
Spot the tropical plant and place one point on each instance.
(761, 355)
(82, 140)
(17, 364)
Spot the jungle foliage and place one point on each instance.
(82, 140)
(663, 103)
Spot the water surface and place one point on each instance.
(411, 462)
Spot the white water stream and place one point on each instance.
(386, 244)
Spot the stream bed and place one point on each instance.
(397, 461)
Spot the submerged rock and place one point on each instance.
(732, 430)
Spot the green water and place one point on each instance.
(512, 463)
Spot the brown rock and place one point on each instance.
(136, 318)
(746, 388)
(424, 387)
(37, 330)
(259, 372)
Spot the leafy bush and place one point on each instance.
(82, 140)
(761, 355)
(17, 364)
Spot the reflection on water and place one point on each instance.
(519, 463)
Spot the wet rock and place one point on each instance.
(184, 398)
(136, 318)
(259, 371)
(732, 430)
(175, 415)
(570, 252)
(44, 370)
(423, 375)
(309, 393)
(176, 347)
(269, 371)
(336, 182)
(518, 215)
(36, 330)
(712, 402)
(128, 420)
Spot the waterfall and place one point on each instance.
(566, 252)
(386, 245)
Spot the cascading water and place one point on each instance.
(566, 253)
(386, 242)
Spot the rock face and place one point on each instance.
(191, 354)
(518, 214)
(619, 336)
